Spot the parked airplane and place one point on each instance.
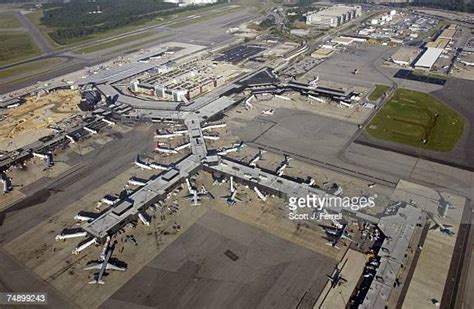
(157, 166)
(165, 150)
(103, 265)
(283, 165)
(231, 199)
(141, 164)
(268, 111)
(234, 148)
(48, 158)
(315, 82)
(336, 277)
(249, 105)
(260, 194)
(337, 234)
(136, 182)
(258, 157)
(196, 196)
(443, 228)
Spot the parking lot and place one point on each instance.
(239, 53)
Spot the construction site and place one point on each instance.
(32, 120)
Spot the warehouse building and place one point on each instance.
(333, 16)
(429, 58)
(405, 56)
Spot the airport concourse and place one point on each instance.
(241, 154)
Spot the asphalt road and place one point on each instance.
(38, 37)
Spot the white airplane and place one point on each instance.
(443, 228)
(141, 164)
(315, 82)
(320, 100)
(239, 146)
(143, 219)
(268, 112)
(85, 216)
(345, 104)
(48, 158)
(165, 150)
(283, 165)
(282, 97)
(234, 148)
(183, 146)
(157, 166)
(109, 122)
(78, 249)
(258, 157)
(71, 235)
(214, 126)
(249, 105)
(71, 139)
(260, 194)
(92, 131)
(108, 201)
(103, 265)
(213, 137)
(231, 199)
(337, 234)
(196, 196)
(170, 135)
(136, 182)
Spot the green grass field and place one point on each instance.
(16, 46)
(417, 119)
(9, 21)
(29, 67)
(378, 92)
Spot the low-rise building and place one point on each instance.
(429, 58)
(405, 56)
(333, 16)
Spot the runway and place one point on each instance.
(38, 37)
(197, 33)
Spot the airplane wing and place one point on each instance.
(111, 266)
(435, 226)
(437, 222)
(102, 266)
(94, 266)
(333, 243)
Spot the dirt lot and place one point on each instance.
(29, 122)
